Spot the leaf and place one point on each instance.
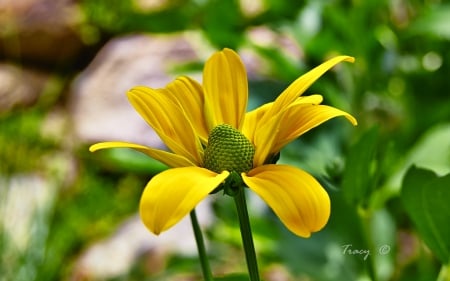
(425, 197)
(127, 160)
(357, 179)
(430, 151)
(433, 22)
(232, 277)
(223, 23)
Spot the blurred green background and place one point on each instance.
(66, 214)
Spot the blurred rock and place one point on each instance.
(40, 32)
(116, 255)
(24, 199)
(277, 272)
(152, 5)
(99, 107)
(19, 87)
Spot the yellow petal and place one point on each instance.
(263, 135)
(294, 195)
(301, 118)
(302, 83)
(172, 194)
(265, 138)
(168, 120)
(189, 95)
(170, 159)
(251, 121)
(226, 89)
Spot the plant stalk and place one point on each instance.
(444, 274)
(207, 275)
(246, 234)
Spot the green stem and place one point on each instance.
(207, 275)
(444, 274)
(246, 234)
(366, 221)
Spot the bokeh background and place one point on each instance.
(65, 66)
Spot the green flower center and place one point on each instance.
(228, 150)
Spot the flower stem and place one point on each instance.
(366, 219)
(207, 275)
(246, 234)
(444, 274)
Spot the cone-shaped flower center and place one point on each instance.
(228, 150)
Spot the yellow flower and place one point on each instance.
(209, 136)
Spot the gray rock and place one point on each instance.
(40, 31)
(19, 87)
(115, 255)
(99, 107)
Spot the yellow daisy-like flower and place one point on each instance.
(210, 136)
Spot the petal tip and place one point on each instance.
(350, 59)
(94, 147)
(304, 235)
(154, 231)
(229, 51)
(352, 120)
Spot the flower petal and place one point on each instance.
(168, 120)
(303, 82)
(172, 194)
(294, 195)
(301, 118)
(251, 121)
(263, 135)
(226, 89)
(264, 139)
(189, 95)
(170, 159)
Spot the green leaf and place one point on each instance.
(223, 23)
(357, 179)
(425, 197)
(232, 277)
(425, 154)
(128, 160)
(433, 22)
